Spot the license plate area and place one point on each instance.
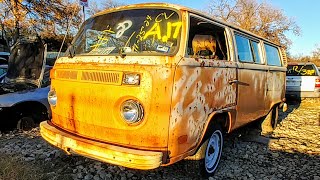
(293, 83)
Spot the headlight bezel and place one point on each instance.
(52, 97)
(137, 116)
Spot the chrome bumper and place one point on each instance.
(131, 158)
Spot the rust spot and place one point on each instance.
(202, 63)
(197, 59)
(182, 139)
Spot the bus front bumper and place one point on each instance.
(131, 158)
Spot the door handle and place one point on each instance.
(233, 81)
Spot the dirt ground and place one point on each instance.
(292, 152)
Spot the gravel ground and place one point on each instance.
(292, 152)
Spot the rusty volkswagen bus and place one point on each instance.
(148, 85)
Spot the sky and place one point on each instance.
(306, 14)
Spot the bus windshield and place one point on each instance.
(134, 32)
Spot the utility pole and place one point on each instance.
(84, 14)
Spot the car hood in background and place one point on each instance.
(38, 94)
(26, 62)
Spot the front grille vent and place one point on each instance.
(102, 77)
(66, 74)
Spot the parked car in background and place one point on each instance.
(24, 89)
(4, 56)
(3, 72)
(303, 80)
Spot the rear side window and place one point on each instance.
(272, 55)
(301, 70)
(248, 50)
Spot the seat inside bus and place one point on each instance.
(204, 46)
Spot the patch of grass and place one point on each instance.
(11, 167)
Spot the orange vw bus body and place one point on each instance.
(144, 88)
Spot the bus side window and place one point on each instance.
(248, 50)
(272, 55)
(206, 40)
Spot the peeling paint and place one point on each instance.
(205, 89)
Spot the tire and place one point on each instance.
(212, 153)
(25, 123)
(200, 163)
(270, 122)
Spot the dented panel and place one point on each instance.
(201, 86)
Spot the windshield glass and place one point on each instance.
(301, 70)
(136, 31)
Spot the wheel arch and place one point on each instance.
(36, 108)
(223, 118)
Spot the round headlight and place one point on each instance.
(131, 111)
(52, 97)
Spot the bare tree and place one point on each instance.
(258, 17)
(25, 17)
(316, 52)
(104, 4)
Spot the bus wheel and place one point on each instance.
(270, 122)
(25, 123)
(213, 152)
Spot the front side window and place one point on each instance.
(206, 40)
(136, 31)
(272, 55)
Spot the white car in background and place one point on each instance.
(303, 80)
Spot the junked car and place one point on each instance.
(3, 72)
(303, 80)
(148, 85)
(23, 93)
(4, 56)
